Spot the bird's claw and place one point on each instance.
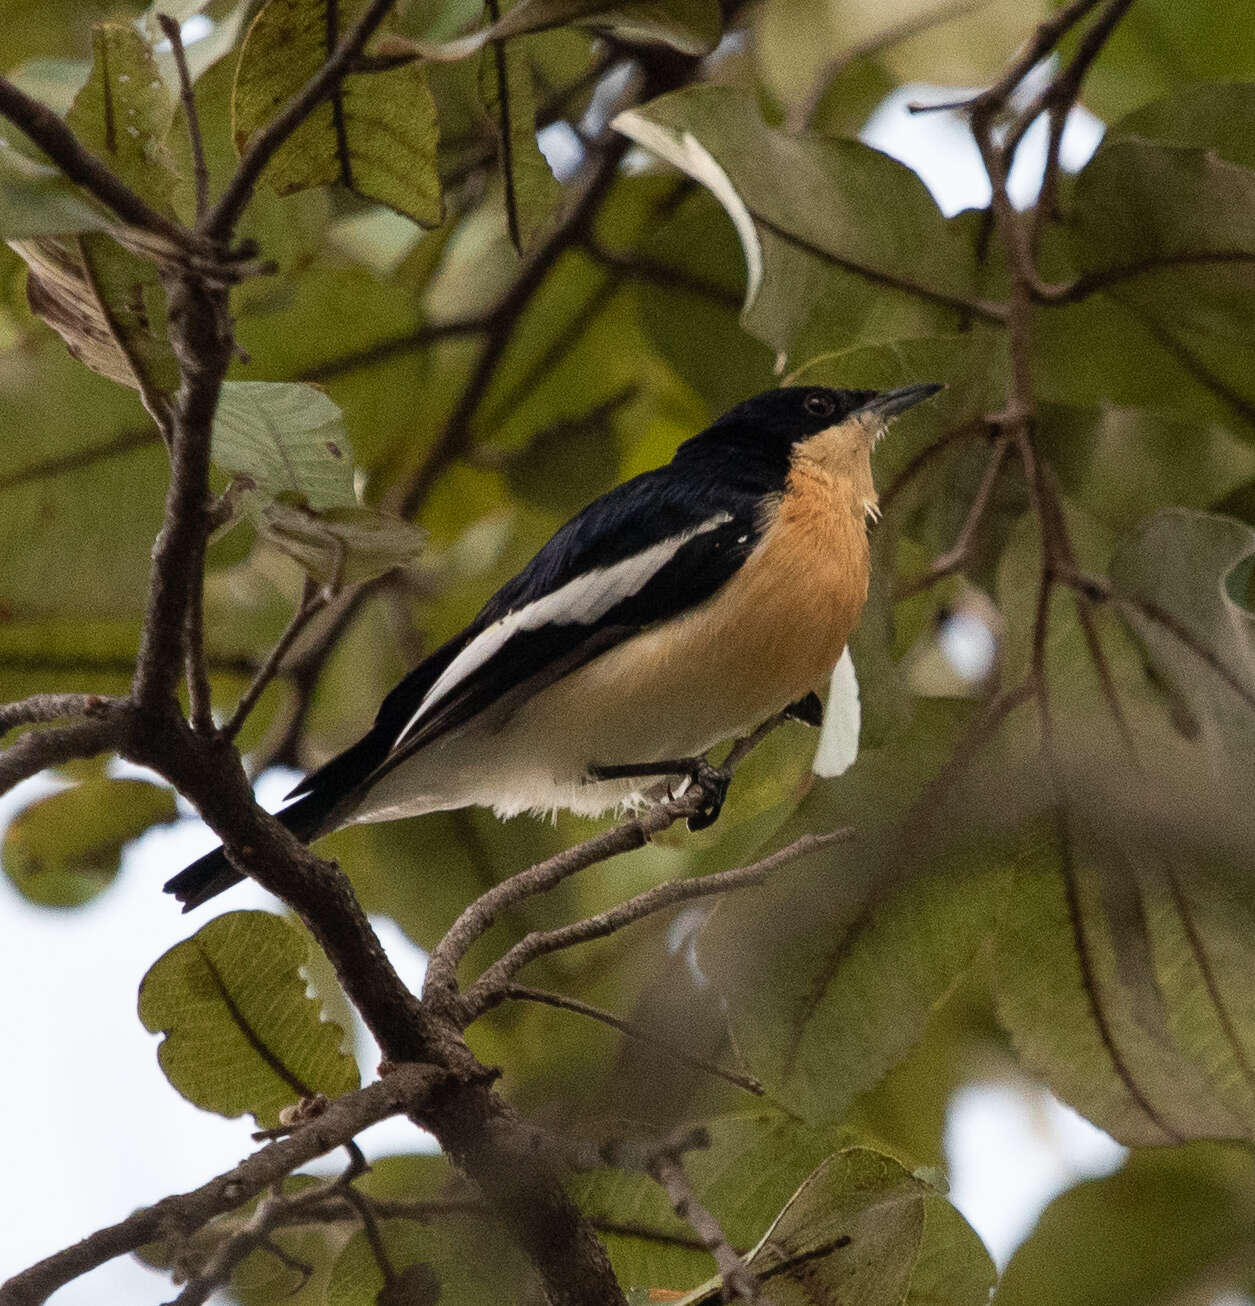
(713, 782)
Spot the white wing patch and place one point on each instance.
(843, 716)
(582, 601)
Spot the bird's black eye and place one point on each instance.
(819, 405)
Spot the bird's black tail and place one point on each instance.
(210, 875)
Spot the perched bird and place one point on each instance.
(685, 606)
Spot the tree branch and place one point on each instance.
(182, 1214)
(313, 600)
(200, 169)
(40, 749)
(40, 708)
(483, 993)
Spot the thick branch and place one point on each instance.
(184, 1213)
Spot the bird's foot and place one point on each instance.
(712, 780)
(809, 711)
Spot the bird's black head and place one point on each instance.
(763, 432)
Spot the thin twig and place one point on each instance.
(184, 1213)
(640, 267)
(661, 897)
(519, 993)
(957, 555)
(200, 169)
(1090, 283)
(802, 116)
(313, 599)
(478, 917)
(739, 1282)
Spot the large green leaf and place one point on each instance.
(864, 1229)
(1170, 1228)
(823, 223)
(1219, 117)
(62, 850)
(754, 1163)
(1180, 221)
(831, 970)
(1158, 46)
(1087, 1000)
(377, 136)
(105, 301)
(240, 1034)
(1182, 581)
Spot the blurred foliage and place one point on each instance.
(1056, 879)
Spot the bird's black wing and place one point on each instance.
(606, 576)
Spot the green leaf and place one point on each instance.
(1158, 46)
(123, 112)
(1180, 579)
(1138, 1020)
(1213, 117)
(62, 850)
(822, 222)
(953, 1269)
(106, 301)
(1181, 221)
(587, 452)
(755, 1161)
(377, 137)
(288, 439)
(851, 1232)
(37, 200)
(1172, 1226)
(240, 1034)
(531, 190)
(831, 970)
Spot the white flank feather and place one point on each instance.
(838, 740)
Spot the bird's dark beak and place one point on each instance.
(893, 402)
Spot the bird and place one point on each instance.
(681, 608)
